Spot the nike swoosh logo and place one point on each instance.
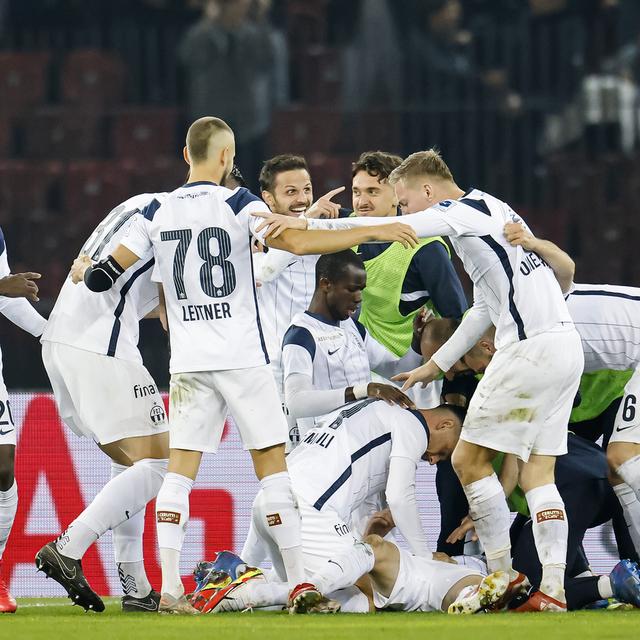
(68, 573)
(618, 429)
(149, 606)
(4, 433)
(337, 565)
(291, 264)
(334, 351)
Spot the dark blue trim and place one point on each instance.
(301, 337)
(346, 474)
(506, 265)
(197, 183)
(361, 328)
(150, 210)
(478, 205)
(263, 344)
(599, 292)
(423, 422)
(240, 199)
(317, 316)
(115, 332)
(3, 245)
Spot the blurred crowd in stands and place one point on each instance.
(535, 100)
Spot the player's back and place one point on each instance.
(520, 290)
(345, 459)
(107, 323)
(607, 318)
(201, 241)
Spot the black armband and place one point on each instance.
(102, 275)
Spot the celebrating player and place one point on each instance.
(200, 236)
(539, 356)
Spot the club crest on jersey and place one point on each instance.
(157, 414)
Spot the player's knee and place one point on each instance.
(616, 456)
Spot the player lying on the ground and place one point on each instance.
(397, 581)
(355, 454)
(13, 288)
(90, 351)
(608, 320)
(328, 355)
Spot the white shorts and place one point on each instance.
(627, 425)
(7, 425)
(103, 398)
(523, 402)
(422, 584)
(199, 403)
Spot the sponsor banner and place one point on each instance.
(58, 474)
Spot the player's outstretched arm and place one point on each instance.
(318, 242)
(102, 275)
(560, 262)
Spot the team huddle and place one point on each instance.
(312, 325)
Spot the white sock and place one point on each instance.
(8, 508)
(604, 587)
(631, 509)
(122, 497)
(74, 541)
(490, 514)
(283, 524)
(172, 515)
(550, 531)
(127, 547)
(345, 570)
(267, 594)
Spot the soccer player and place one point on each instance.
(606, 318)
(539, 356)
(328, 355)
(353, 455)
(104, 392)
(200, 236)
(13, 290)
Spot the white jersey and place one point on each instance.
(200, 235)
(108, 323)
(514, 289)
(608, 320)
(284, 292)
(346, 459)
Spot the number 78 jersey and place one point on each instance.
(201, 240)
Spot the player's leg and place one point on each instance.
(623, 455)
(8, 508)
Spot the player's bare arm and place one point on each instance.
(20, 285)
(324, 207)
(425, 374)
(560, 262)
(300, 242)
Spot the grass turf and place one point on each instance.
(53, 618)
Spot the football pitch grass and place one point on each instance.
(53, 618)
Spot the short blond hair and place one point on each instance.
(421, 163)
(200, 133)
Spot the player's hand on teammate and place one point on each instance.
(276, 223)
(426, 373)
(79, 266)
(395, 232)
(440, 556)
(517, 235)
(460, 533)
(20, 285)
(323, 207)
(390, 394)
(380, 523)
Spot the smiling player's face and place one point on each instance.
(345, 295)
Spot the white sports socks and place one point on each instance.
(127, 546)
(550, 531)
(122, 497)
(490, 514)
(8, 508)
(172, 515)
(283, 523)
(631, 509)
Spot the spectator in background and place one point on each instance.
(231, 60)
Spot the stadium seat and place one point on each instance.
(305, 130)
(64, 133)
(330, 172)
(307, 21)
(320, 75)
(92, 78)
(23, 80)
(144, 132)
(158, 174)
